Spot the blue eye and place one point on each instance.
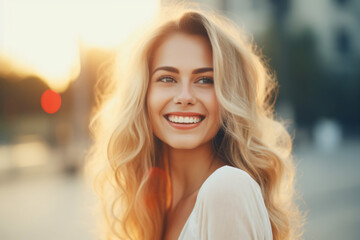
(205, 80)
(166, 79)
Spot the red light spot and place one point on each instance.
(50, 101)
(156, 186)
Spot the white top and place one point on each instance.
(229, 206)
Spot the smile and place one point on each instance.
(183, 119)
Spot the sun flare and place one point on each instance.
(43, 37)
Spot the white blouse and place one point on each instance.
(229, 206)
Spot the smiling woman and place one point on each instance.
(186, 144)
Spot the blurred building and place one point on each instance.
(253, 16)
(335, 24)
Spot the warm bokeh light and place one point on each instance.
(50, 101)
(42, 37)
(157, 185)
(107, 23)
(38, 37)
(26, 154)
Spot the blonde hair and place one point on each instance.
(125, 161)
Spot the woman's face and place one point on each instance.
(181, 98)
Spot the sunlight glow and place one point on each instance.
(43, 37)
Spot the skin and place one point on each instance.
(178, 89)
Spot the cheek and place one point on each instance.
(215, 103)
(212, 104)
(151, 105)
(155, 103)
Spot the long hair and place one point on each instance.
(125, 162)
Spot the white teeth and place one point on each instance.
(181, 119)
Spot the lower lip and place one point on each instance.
(184, 125)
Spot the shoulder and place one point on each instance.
(229, 181)
(231, 206)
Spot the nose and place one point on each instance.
(185, 96)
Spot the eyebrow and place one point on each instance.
(175, 70)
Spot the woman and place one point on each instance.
(186, 145)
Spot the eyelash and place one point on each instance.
(211, 81)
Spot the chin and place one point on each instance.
(183, 144)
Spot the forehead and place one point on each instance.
(183, 50)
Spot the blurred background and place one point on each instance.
(313, 47)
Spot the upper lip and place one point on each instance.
(185, 114)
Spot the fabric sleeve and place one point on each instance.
(231, 207)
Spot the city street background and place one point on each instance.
(313, 47)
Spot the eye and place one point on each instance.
(166, 79)
(205, 80)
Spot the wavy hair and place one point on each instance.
(125, 162)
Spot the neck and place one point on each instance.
(188, 169)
